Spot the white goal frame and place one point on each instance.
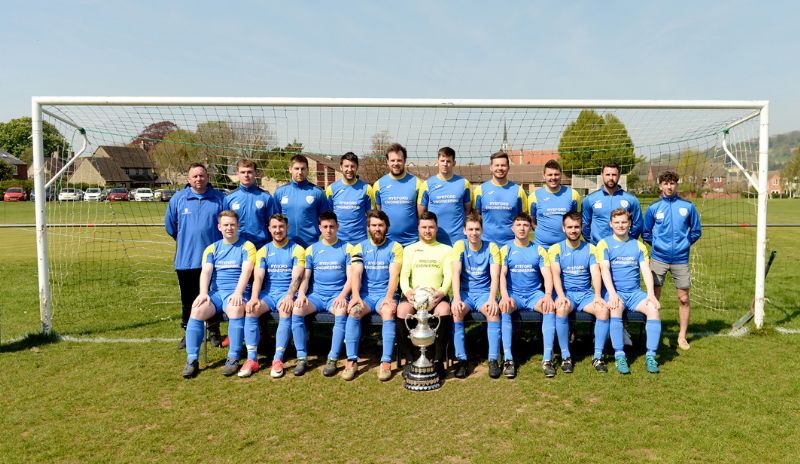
(760, 183)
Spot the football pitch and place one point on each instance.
(728, 399)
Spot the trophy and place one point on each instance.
(423, 375)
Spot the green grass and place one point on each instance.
(725, 400)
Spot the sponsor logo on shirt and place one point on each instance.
(660, 215)
(597, 204)
(285, 200)
(186, 211)
(235, 206)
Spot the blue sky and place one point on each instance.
(626, 50)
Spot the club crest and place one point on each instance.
(624, 203)
(259, 204)
(683, 211)
(309, 199)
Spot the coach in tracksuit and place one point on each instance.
(671, 227)
(191, 220)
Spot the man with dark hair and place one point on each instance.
(301, 202)
(427, 263)
(190, 220)
(549, 203)
(350, 198)
(598, 205)
(396, 194)
(498, 200)
(447, 195)
(671, 227)
(325, 287)
(253, 205)
(375, 284)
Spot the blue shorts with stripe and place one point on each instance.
(630, 299)
(475, 301)
(322, 301)
(527, 302)
(374, 302)
(579, 299)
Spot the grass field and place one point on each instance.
(725, 400)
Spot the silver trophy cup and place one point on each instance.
(423, 375)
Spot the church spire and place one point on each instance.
(505, 146)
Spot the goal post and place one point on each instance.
(707, 141)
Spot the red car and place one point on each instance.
(15, 194)
(118, 194)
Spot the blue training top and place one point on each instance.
(191, 219)
(254, 207)
(596, 213)
(302, 204)
(671, 226)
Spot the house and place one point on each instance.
(128, 167)
(51, 166)
(535, 157)
(775, 185)
(20, 168)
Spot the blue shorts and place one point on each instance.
(322, 302)
(271, 300)
(630, 299)
(374, 302)
(580, 299)
(476, 301)
(527, 303)
(220, 299)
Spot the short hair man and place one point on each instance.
(280, 267)
(671, 227)
(253, 205)
(375, 289)
(302, 202)
(224, 286)
(350, 198)
(447, 195)
(396, 194)
(549, 203)
(598, 205)
(427, 263)
(499, 200)
(622, 259)
(325, 287)
(476, 280)
(573, 263)
(526, 284)
(190, 220)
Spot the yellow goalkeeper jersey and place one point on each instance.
(427, 265)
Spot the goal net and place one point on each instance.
(108, 268)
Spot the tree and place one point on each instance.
(217, 148)
(791, 171)
(153, 134)
(15, 138)
(253, 138)
(175, 153)
(592, 140)
(6, 171)
(692, 168)
(380, 141)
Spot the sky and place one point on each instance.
(733, 50)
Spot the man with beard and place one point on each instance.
(375, 282)
(597, 207)
(499, 200)
(396, 194)
(350, 198)
(549, 203)
(448, 196)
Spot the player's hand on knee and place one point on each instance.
(506, 304)
(285, 305)
(251, 307)
(388, 307)
(200, 300)
(562, 303)
(548, 305)
(301, 302)
(340, 303)
(437, 298)
(654, 303)
(491, 308)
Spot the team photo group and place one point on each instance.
(354, 249)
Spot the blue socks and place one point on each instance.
(493, 334)
(653, 330)
(388, 332)
(615, 330)
(352, 335)
(507, 331)
(562, 331)
(458, 341)
(194, 337)
(548, 335)
(338, 336)
(236, 336)
(600, 336)
(251, 336)
(299, 335)
(282, 335)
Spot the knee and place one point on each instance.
(563, 312)
(234, 311)
(683, 300)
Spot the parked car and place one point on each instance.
(163, 194)
(118, 194)
(93, 194)
(70, 194)
(49, 195)
(15, 194)
(142, 194)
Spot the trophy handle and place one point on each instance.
(438, 322)
(408, 316)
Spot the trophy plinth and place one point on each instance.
(422, 375)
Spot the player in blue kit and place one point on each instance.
(622, 259)
(671, 227)
(190, 220)
(301, 202)
(499, 200)
(253, 205)
(597, 207)
(224, 286)
(396, 195)
(476, 280)
(280, 267)
(325, 287)
(549, 203)
(350, 198)
(448, 196)
(375, 283)
(573, 263)
(526, 284)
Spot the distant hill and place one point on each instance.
(781, 147)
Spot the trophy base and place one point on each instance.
(422, 379)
